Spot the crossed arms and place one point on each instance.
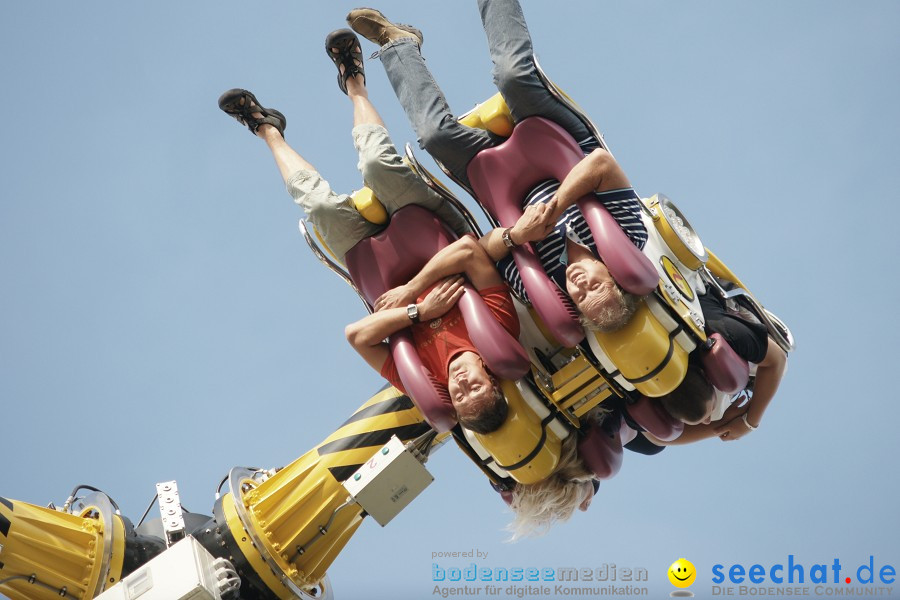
(464, 256)
(475, 259)
(731, 426)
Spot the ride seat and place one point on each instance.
(649, 354)
(527, 446)
(723, 368)
(366, 204)
(537, 150)
(391, 258)
(492, 114)
(778, 329)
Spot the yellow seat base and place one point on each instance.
(369, 206)
(492, 114)
(524, 447)
(646, 352)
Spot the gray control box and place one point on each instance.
(183, 572)
(388, 481)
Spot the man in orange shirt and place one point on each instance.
(438, 330)
(440, 334)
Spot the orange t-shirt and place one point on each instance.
(440, 340)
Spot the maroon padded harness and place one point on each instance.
(501, 177)
(723, 367)
(391, 258)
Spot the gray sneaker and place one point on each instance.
(375, 27)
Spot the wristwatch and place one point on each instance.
(506, 236)
(412, 311)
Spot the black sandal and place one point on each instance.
(241, 105)
(348, 55)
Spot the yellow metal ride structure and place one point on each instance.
(279, 529)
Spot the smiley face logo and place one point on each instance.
(677, 278)
(682, 573)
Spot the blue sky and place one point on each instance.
(161, 318)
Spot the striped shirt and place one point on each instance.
(623, 205)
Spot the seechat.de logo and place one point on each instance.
(799, 578)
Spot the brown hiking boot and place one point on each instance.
(375, 27)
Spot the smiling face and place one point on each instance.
(682, 573)
(591, 287)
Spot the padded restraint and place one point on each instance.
(601, 452)
(391, 258)
(650, 414)
(502, 176)
(724, 368)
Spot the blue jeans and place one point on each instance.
(439, 133)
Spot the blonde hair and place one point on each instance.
(539, 506)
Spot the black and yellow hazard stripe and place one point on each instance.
(386, 414)
(294, 514)
(5, 520)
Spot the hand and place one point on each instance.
(731, 426)
(442, 298)
(734, 410)
(536, 222)
(733, 430)
(589, 497)
(398, 297)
